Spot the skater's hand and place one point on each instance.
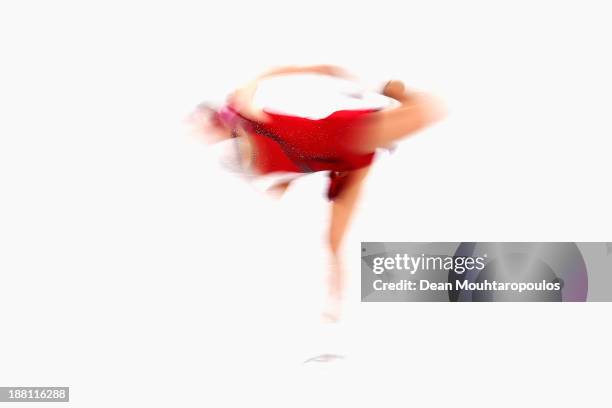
(395, 89)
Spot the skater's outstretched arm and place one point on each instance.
(385, 127)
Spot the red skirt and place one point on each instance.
(295, 144)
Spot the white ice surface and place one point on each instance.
(139, 274)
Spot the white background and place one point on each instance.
(135, 271)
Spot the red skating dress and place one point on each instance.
(304, 138)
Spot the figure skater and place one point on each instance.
(340, 139)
